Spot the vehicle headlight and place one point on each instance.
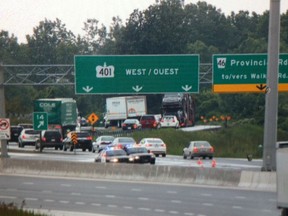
(137, 157)
(114, 160)
(131, 159)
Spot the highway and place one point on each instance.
(30, 153)
(63, 196)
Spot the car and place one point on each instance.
(15, 131)
(123, 141)
(198, 149)
(154, 145)
(140, 154)
(50, 139)
(131, 124)
(28, 137)
(113, 155)
(83, 139)
(282, 144)
(150, 121)
(169, 121)
(101, 142)
(175, 99)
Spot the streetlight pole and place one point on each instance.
(271, 99)
(4, 152)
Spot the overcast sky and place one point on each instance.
(19, 17)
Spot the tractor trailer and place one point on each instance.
(62, 113)
(120, 108)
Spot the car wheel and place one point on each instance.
(192, 157)
(56, 148)
(71, 149)
(83, 150)
(163, 155)
(211, 158)
(157, 155)
(184, 156)
(41, 148)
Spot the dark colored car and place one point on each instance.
(174, 99)
(150, 121)
(84, 141)
(198, 149)
(131, 124)
(15, 133)
(140, 155)
(50, 139)
(113, 155)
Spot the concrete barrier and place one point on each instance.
(140, 172)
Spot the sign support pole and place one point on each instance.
(4, 151)
(271, 100)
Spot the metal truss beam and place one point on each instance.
(53, 75)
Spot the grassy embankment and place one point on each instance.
(233, 141)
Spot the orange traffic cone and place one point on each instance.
(199, 162)
(213, 163)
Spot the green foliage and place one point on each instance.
(234, 141)
(166, 27)
(12, 210)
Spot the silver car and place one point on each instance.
(28, 137)
(155, 146)
(198, 149)
(102, 142)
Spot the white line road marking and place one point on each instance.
(144, 209)
(31, 199)
(49, 200)
(79, 203)
(28, 183)
(143, 198)
(64, 201)
(159, 210)
(237, 207)
(176, 201)
(112, 206)
(8, 197)
(96, 204)
(207, 204)
(110, 196)
(127, 207)
(66, 185)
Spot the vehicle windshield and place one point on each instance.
(108, 139)
(115, 153)
(33, 132)
(83, 135)
(137, 150)
(154, 141)
(202, 144)
(126, 140)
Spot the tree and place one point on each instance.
(48, 37)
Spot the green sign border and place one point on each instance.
(36, 121)
(136, 74)
(246, 68)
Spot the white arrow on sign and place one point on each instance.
(137, 88)
(186, 88)
(87, 89)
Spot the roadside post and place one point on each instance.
(92, 119)
(40, 122)
(4, 151)
(74, 141)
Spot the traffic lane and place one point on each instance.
(127, 198)
(29, 152)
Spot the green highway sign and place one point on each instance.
(246, 72)
(40, 121)
(137, 74)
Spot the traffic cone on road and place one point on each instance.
(213, 163)
(200, 162)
